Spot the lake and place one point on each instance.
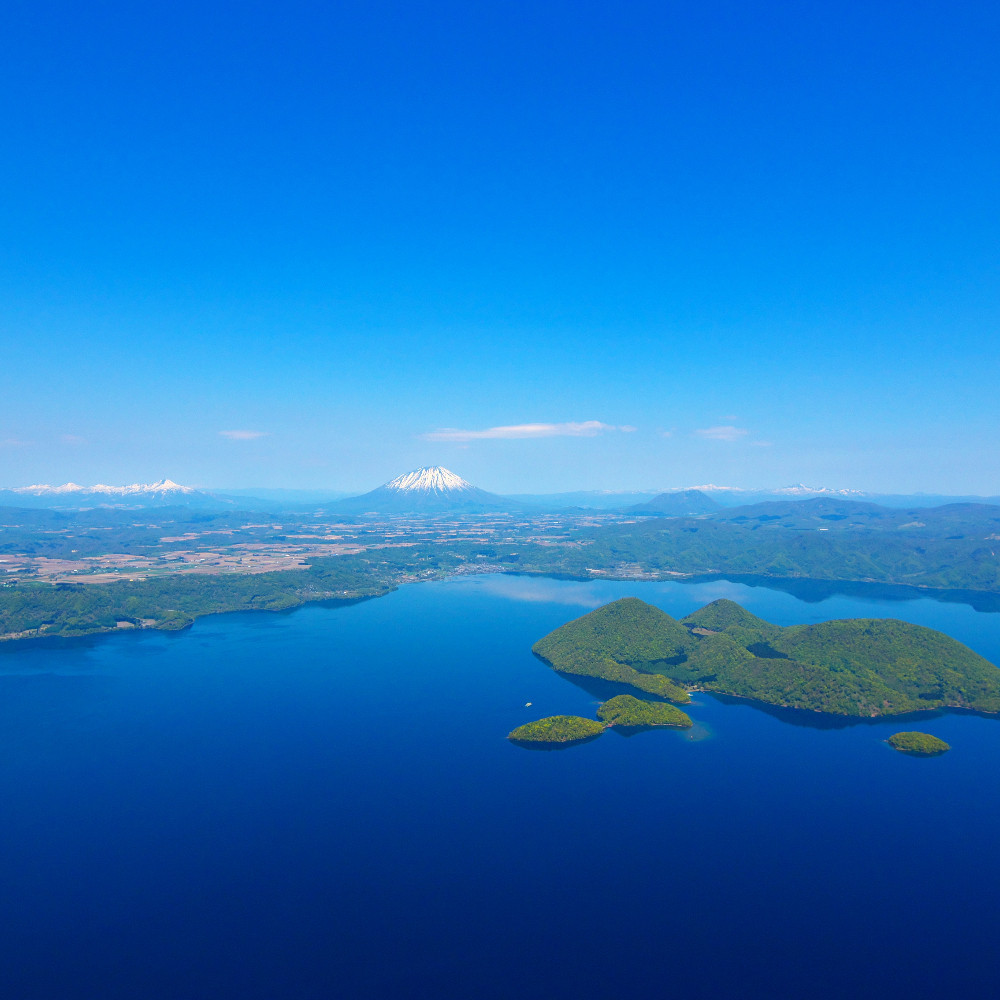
(323, 804)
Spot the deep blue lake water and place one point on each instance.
(323, 804)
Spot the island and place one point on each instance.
(865, 667)
(918, 744)
(557, 729)
(626, 711)
(623, 711)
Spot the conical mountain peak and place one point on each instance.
(434, 479)
(432, 489)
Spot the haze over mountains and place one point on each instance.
(678, 504)
(435, 489)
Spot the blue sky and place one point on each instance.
(761, 238)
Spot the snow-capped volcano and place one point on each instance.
(430, 480)
(428, 490)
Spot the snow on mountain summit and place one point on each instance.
(162, 486)
(434, 479)
(431, 490)
(800, 490)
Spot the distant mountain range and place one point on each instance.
(733, 496)
(162, 488)
(438, 490)
(71, 496)
(647, 501)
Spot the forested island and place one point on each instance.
(633, 713)
(864, 667)
(557, 729)
(918, 744)
(622, 711)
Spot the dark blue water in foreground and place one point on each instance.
(323, 804)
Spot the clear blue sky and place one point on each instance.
(765, 236)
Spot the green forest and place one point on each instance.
(699, 546)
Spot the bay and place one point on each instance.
(323, 803)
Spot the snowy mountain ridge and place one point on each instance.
(162, 486)
(799, 490)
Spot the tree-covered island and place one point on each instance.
(863, 667)
(626, 711)
(918, 744)
(557, 729)
(622, 710)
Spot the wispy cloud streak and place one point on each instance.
(585, 428)
(725, 433)
(244, 435)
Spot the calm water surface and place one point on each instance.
(323, 804)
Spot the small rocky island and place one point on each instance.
(865, 667)
(918, 744)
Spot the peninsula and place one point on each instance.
(865, 667)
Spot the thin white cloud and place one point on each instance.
(538, 589)
(724, 433)
(244, 435)
(72, 439)
(15, 443)
(762, 444)
(586, 428)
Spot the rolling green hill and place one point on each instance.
(628, 641)
(942, 554)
